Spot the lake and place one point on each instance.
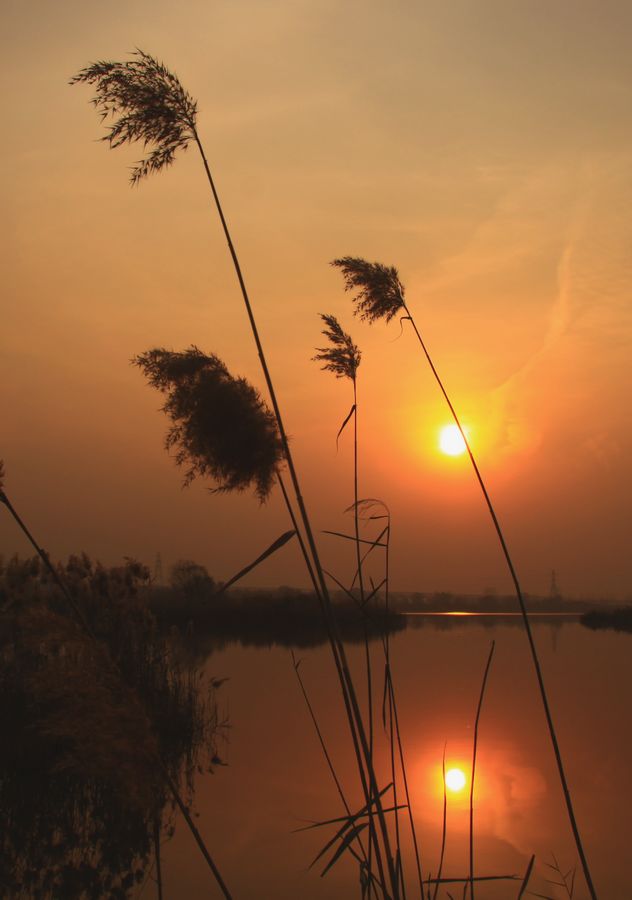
(276, 779)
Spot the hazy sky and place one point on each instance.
(484, 148)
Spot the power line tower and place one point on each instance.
(554, 591)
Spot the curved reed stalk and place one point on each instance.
(146, 103)
(474, 752)
(380, 294)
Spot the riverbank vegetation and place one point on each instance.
(83, 812)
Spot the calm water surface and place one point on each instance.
(276, 779)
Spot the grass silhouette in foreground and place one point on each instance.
(379, 294)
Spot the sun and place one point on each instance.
(451, 440)
(455, 780)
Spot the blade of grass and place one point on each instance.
(474, 751)
(274, 546)
(344, 844)
(525, 880)
(444, 827)
(350, 537)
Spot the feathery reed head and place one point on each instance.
(380, 293)
(147, 103)
(343, 356)
(221, 427)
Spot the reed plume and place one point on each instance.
(221, 427)
(343, 356)
(148, 105)
(379, 292)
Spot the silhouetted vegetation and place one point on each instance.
(218, 422)
(81, 807)
(221, 428)
(619, 619)
(148, 104)
(286, 617)
(379, 293)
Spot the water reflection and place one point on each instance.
(277, 778)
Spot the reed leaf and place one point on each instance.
(344, 424)
(274, 546)
(526, 879)
(349, 821)
(344, 844)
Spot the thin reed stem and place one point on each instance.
(474, 751)
(326, 753)
(402, 762)
(526, 879)
(299, 534)
(525, 618)
(444, 827)
(354, 716)
(356, 523)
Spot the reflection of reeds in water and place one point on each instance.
(79, 803)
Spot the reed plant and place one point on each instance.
(342, 357)
(378, 293)
(142, 102)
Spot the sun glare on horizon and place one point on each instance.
(455, 780)
(451, 440)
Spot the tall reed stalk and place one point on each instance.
(342, 357)
(147, 104)
(380, 294)
(474, 753)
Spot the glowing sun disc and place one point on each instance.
(451, 441)
(455, 779)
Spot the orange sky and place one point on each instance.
(482, 148)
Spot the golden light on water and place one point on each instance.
(451, 440)
(455, 780)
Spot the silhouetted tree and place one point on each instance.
(192, 579)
